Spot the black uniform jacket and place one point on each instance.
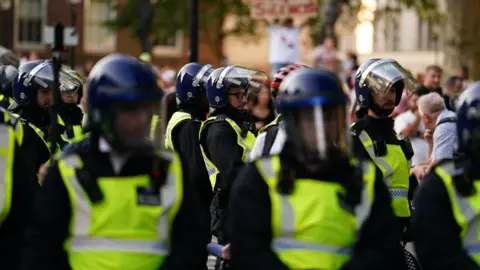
(187, 145)
(377, 248)
(49, 227)
(224, 151)
(25, 185)
(437, 234)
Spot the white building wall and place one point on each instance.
(408, 42)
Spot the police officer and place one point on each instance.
(184, 126)
(70, 114)
(7, 57)
(32, 94)
(313, 206)
(17, 188)
(445, 221)
(271, 137)
(379, 84)
(7, 75)
(226, 137)
(116, 202)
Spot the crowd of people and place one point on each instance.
(135, 167)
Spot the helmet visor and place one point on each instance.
(69, 85)
(320, 131)
(43, 75)
(251, 80)
(133, 123)
(381, 75)
(201, 78)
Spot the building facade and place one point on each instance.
(385, 28)
(22, 23)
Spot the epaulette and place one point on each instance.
(357, 127)
(220, 117)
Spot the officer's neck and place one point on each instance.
(195, 112)
(373, 114)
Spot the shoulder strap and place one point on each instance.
(452, 119)
(357, 127)
(271, 135)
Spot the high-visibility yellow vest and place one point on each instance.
(311, 228)
(38, 131)
(176, 119)
(4, 99)
(77, 131)
(154, 126)
(117, 232)
(273, 123)
(466, 210)
(396, 173)
(11, 137)
(246, 143)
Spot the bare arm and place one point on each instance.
(411, 130)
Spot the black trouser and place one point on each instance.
(218, 211)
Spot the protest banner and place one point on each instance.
(267, 9)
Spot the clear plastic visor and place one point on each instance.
(321, 129)
(381, 75)
(43, 76)
(201, 78)
(251, 80)
(133, 123)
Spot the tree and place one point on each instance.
(330, 11)
(173, 15)
(462, 37)
(462, 40)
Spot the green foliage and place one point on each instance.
(173, 15)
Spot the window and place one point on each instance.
(98, 38)
(29, 23)
(168, 44)
(428, 36)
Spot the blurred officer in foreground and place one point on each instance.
(226, 137)
(117, 202)
(445, 221)
(379, 84)
(271, 137)
(313, 206)
(7, 76)
(184, 126)
(17, 189)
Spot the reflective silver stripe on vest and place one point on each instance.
(362, 210)
(4, 146)
(287, 216)
(378, 160)
(394, 192)
(83, 211)
(285, 244)
(105, 244)
(470, 242)
(168, 195)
